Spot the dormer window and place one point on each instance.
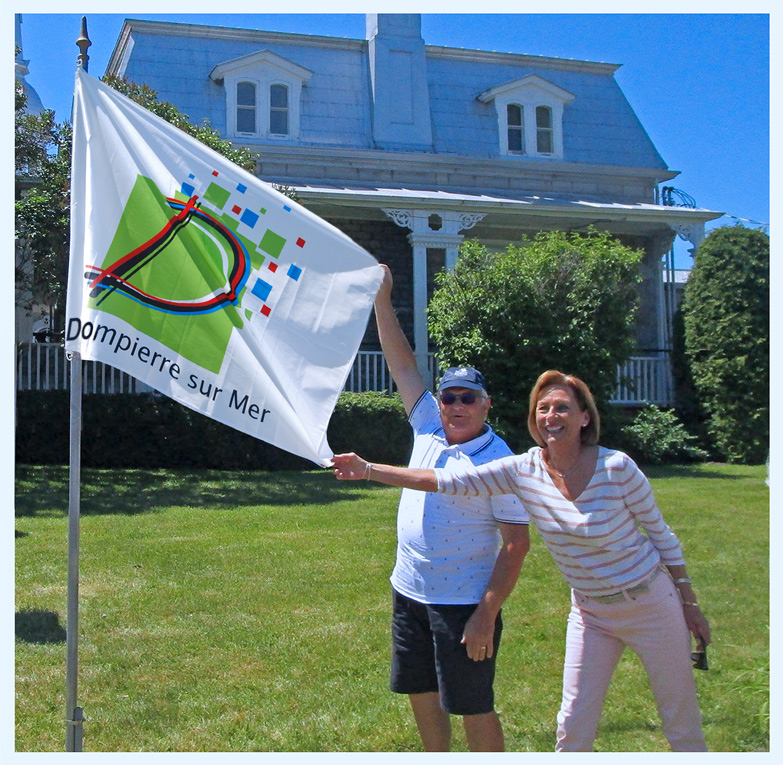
(530, 116)
(246, 108)
(516, 143)
(263, 96)
(544, 130)
(278, 110)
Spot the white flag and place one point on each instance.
(204, 282)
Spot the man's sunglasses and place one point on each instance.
(468, 399)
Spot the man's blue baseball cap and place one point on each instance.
(462, 377)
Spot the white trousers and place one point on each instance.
(651, 624)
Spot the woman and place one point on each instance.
(597, 515)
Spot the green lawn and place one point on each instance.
(229, 612)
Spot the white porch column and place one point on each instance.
(420, 339)
(661, 249)
(437, 231)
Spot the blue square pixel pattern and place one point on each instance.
(249, 218)
(261, 289)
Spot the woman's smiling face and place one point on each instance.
(558, 416)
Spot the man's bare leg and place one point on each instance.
(433, 721)
(484, 732)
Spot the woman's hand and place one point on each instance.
(694, 618)
(350, 467)
(697, 624)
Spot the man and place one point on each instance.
(457, 559)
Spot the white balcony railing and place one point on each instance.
(44, 366)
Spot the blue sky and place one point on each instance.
(698, 81)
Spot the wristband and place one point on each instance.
(683, 580)
(687, 603)
(367, 471)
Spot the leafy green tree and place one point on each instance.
(561, 301)
(686, 399)
(42, 205)
(726, 317)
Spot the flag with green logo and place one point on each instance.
(204, 282)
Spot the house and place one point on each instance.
(410, 148)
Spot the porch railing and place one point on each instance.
(44, 366)
(644, 379)
(369, 372)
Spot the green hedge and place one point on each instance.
(726, 319)
(150, 430)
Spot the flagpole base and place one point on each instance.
(74, 731)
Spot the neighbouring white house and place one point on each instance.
(410, 148)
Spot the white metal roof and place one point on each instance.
(488, 203)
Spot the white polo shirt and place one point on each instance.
(447, 546)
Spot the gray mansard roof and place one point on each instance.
(599, 126)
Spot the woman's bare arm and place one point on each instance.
(351, 467)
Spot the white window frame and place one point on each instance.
(278, 109)
(517, 128)
(548, 130)
(529, 93)
(238, 106)
(264, 69)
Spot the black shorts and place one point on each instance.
(428, 657)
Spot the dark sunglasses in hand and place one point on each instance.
(468, 399)
(699, 659)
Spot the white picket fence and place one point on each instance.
(44, 366)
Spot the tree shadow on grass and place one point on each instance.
(37, 626)
(696, 470)
(42, 490)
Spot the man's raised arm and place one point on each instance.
(395, 346)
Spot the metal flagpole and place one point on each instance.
(74, 715)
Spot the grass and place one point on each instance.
(249, 612)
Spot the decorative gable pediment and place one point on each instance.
(530, 116)
(263, 95)
(528, 88)
(260, 61)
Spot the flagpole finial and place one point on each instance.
(83, 60)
